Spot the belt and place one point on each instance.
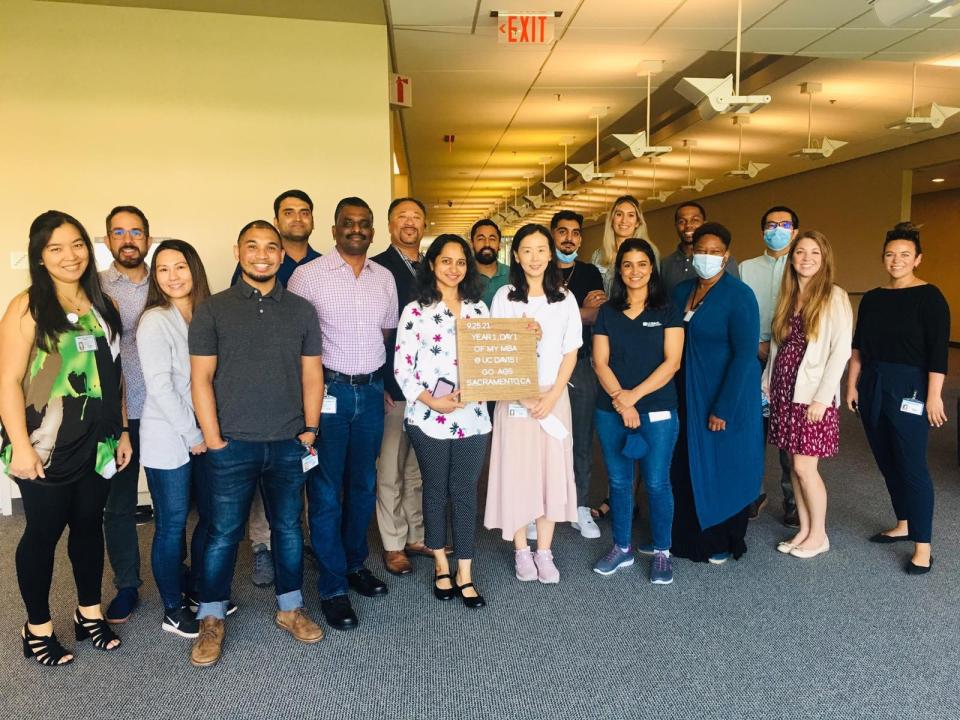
(365, 379)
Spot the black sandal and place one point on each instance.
(45, 649)
(97, 630)
(474, 602)
(443, 593)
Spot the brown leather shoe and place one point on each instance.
(298, 623)
(397, 562)
(209, 643)
(421, 549)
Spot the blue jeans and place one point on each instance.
(171, 491)
(660, 437)
(234, 472)
(342, 490)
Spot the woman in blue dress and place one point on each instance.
(718, 462)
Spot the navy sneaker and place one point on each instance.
(617, 558)
(120, 608)
(661, 569)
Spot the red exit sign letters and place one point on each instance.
(525, 28)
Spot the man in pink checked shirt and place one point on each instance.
(356, 303)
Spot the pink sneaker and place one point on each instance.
(526, 570)
(546, 571)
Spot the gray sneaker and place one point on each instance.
(661, 569)
(262, 574)
(617, 558)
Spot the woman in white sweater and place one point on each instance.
(809, 348)
(172, 444)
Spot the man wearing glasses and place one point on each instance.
(128, 236)
(779, 226)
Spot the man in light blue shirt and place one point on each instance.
(780, 226)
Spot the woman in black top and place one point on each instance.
(897, 369)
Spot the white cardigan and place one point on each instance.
(825, 358)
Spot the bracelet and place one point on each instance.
(125, 429)
(315, 429)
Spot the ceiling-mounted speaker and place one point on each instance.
(928, 117)
(824, 150)
(713, 96)
(634, 145)
(586, 171)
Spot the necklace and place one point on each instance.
(573, 269)
(74, 305)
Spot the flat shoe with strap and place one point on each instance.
(443, 593)
(475, 602)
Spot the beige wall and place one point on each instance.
(200, 119)
(853, 203)
(939, 213)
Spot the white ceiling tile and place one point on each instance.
(432, 12)
(777, 41)
(618, 14)
(813, 14)
(718, 13)
(690, 38)
(870, 20)
(858, 40)
(932, 40)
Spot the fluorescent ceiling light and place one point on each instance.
(938, 180)
(713, 96)
(749, 172)
(818, 152)
(928, 117)
(634, 145)
(586, 171)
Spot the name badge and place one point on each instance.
(517, 410)
(655, 323)
(689, 315)
(659, 416)
(329, 405)
(86, 343)
(911, 406)
(309, 460)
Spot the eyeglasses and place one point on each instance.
(785, 224)
(118, 233)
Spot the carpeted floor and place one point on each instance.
(847, 635)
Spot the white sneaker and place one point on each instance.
(585, 524)
(532, 530)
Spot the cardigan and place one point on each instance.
(818, 379)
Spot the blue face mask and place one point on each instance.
(707, 266)
(564, 258)
(777, 238)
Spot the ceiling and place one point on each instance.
(935, 178)
(369, 12)
(509, 108)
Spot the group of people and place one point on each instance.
(324, 389)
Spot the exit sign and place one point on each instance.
(525, 28)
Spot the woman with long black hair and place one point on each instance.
(64, 431)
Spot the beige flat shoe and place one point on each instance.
(798, 552)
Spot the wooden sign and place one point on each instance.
(496, 359)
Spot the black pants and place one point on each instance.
(48, 510)
(119, 518)
(450, 471)
(899, 441)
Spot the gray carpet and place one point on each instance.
(847, 635)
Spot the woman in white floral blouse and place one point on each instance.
(448, 436)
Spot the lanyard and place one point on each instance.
(406, 261)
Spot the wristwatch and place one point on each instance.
(314, 429)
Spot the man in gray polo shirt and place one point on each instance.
(257, 389)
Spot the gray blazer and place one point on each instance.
(168, 427)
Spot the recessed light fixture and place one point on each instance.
(937, 180)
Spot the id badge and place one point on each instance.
(659, 416)
(329, 405)
(689, 316)
(517, 410)
(911, 406)
(310, 459)
(86, 343)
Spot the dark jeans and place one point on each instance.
(899, 441)
(342, 490)
(171, 491)
(119, 523)
(450, 469)
(660, 437)
(786, 466)
(583, 402)
(233, 474)
(48, 510)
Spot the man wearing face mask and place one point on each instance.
(678, 265)
(762, 274)
(586, 283)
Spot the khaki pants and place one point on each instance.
(258, 528)
(399, 488)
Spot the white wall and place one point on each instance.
(200, 119)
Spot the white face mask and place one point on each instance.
(707, 266)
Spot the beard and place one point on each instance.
(129, 261)
(486, 256)
(257, 277)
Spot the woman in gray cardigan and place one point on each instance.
(172, 445)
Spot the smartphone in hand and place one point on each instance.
(443, 388)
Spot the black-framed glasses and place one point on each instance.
(785, 224)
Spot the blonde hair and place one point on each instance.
(608, 249)
(817, 295)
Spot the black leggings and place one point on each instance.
(49, 509)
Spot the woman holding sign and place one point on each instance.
(449, 437)
(531, 462)
(637, 346)
(63, 434)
